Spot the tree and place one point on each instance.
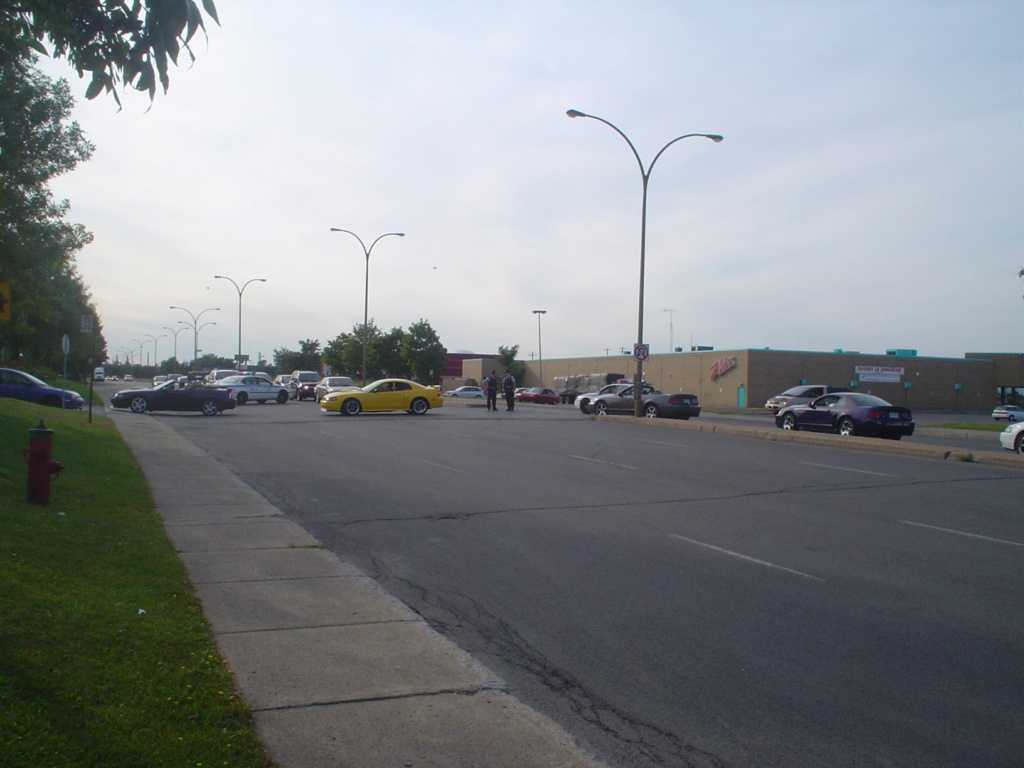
(387, 359)
(307, 359)
(114, 41)
(424, 354)
(507, 360)
(37, 246)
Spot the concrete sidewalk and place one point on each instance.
(338, 673)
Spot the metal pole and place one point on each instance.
(366, 285)
(241, 290)
(645, 175)
(540, 348)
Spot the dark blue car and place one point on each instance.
(849, 413)
(24, 386)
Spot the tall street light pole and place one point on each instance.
(156, 359)
(671, 340)
(645, 174)
(540, 349)
(175, 332)
(195, 328)
(366, 288)
(238, 357)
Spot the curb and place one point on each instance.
(995, 458)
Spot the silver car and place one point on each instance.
(800, 395)
(1009, 412)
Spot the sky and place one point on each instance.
(868, 194)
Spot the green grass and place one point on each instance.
(106, 660)
(980, 426)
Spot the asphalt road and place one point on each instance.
(677, 598)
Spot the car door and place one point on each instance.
(820, 414)
(381, 398)
(13, 384)
(621, 402)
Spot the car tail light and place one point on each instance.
(876, 413)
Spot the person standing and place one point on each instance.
(491, 390)
(508, 385)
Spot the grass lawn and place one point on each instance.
(106, 660)
(980, 426)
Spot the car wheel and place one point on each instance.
(209, 407)
(846, 427)
(1020, 444)
(583, 406)
(651, 411)
(419, 406)
(282, 397)
(789, 422)
(241, 398)
(351, 407)
(600, 408)
(139, 405)
(1011, 418)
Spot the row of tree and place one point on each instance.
(414, 353)
(113, 43)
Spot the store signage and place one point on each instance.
(723, 366)
(881, 373)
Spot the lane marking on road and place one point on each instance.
(598, 461)
(847, 469)
(441, 466)
(964, 533)
(748, 558)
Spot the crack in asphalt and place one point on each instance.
(840, 487)
(454, 614)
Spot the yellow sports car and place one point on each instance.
(383, 395)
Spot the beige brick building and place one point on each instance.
(746, 378)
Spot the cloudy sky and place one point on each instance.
(869, 193)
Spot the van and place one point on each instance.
(220, 373)
(99, 374)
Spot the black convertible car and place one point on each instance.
(171, 397)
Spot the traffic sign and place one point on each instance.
(641, 352)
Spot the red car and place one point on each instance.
(538, 395)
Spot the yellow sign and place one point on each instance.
(5, 303)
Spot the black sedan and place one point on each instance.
(849, 413)
(653, 404)
(171, 397)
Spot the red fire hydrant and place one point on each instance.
(41, 468)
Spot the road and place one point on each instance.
(676, 598)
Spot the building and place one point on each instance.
(746, 378)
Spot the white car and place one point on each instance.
(1012, 438)
(1009, 412)
(330, 384)
(256, 388)
(465, 392)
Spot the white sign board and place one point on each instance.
(881, 373)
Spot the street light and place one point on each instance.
(540, 349)
(194, 325)
(645, 175)
(156, 359)
(141, 345)
(366, 289)
(175, 332)
(238, 358)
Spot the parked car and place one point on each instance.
(246, 388)
(800, 395)
(303, 384)
(653, 404)
(384, 395)
(849, 413)
(24, 386)
(1012, 438)
(584, 401)
(170, 396)
(1008, 412)
(283, 380)
(541, 395)
(329, 384)
(465, 392)
(159, 379)
(129, 377)
(221, 373)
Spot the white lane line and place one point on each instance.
(847, 469)
(658, 442)
(964, 533)
(598, 461)
(441, 466)
(748, 558)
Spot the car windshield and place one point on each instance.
(233, 380)
(535, 390)
(334, 382)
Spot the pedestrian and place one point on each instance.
(491, 390)
(508, 385)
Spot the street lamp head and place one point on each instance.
(540, 311)
(576, 113)
(715, 137)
